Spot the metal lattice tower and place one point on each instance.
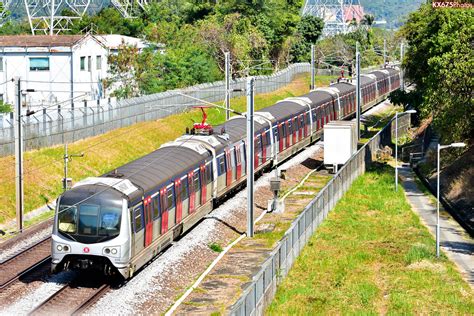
(47, 16)
(128, 8)
(332, 12)
(4, 6)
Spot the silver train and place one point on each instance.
(121, 220)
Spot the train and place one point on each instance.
(118, 222)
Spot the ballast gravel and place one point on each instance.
(167, 276)
(38, 295)
(23, 244)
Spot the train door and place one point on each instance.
(288, 133)
(281, 138)
(139, 234)
(148, 216)
(238, 162)
(257, 148)
(179, 202)
(228, 165)
(155, 205)
(302, 126)
(164, 210)
(192, 194)
(203, 184)
(263, 137)
(295, 130)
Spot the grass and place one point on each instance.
(215, 247)
(372, 256)
(314, 183)
(377, 121)
(44, 168)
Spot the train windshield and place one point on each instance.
(92, 220)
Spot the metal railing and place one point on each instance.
(85, 119)
(260, 292)
(90, 118)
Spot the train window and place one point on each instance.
(67, 219)
(237, 155)
(221, 165)
(156, 207)
(88, 216)
(196, 180)
(184, 189)
(208, 173)
(169, 197)
(138, 219)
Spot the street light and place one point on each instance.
(396, 144)
(456, 145)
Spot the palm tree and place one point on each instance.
(368, 20)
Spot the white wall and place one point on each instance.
(54, 85)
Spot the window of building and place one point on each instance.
(39, 63)
(98, 62)
(89, 63)
(1, 64)
(83, 63)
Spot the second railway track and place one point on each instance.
(72, 299)
(25, 261)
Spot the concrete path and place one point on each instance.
(455, 242)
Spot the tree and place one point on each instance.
(440, 61)
(5, 107)
(309, 29)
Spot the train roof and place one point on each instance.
(236, 128)
(156, 168)
(285, 108)
(319, 97)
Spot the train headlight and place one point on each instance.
(63, 248)
(111, 251)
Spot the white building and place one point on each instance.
(58, 68)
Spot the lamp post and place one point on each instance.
(456, 145)
(396, 145)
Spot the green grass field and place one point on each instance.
(44, 168)
(372, 256)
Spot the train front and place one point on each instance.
(92, 230)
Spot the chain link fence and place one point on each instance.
(84, 119)
(260, 292)
(90, 118)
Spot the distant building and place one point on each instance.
(59, 68)
(353, 12)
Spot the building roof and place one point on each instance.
(39, 40)
(353, 12)
(113, 41)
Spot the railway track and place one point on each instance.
(73, 298)
(25, 262)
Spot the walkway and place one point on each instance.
(455, 242)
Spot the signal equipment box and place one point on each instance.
(340, 143)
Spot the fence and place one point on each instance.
(261, 290)
(66, 125)
(90, 118)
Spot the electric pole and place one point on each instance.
(18, 156)
(313, 68)
(227, 85)
(250, 155)
(66, 160)
(51, 26)
(384, 52)
(358, 92)
(402, 75)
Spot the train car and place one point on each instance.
(119, 221)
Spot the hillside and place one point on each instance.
(393, 11)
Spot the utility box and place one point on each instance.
(340, 143)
